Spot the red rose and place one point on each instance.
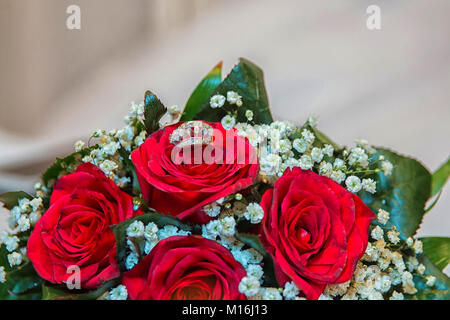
(186, 268)
(75, 230)
(315, 230)
(183, 189)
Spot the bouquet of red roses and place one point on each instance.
(219, 201)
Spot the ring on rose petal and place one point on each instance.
(192, 133)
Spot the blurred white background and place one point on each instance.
(389, 86)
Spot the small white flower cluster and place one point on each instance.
(382, 273)
(22, 218)
(283, 145)
(250, 286)
(218, 100)
(118, 293)
(106, 155)
(143, 238)
(233, 99)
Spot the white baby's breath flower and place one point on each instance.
(383, 283)
(312, 121)
(270, 164)
(212, 210)
(353, 184)
(249, 115)
(212, 229)
(308, 136)
(290, 291)
(228, 122)
(249, 286)
(36, 203)
(328, 150)
(131, 260)
(233, 97)
(228, 226)
(168, 231)
(136, 229)
(108, 166)
(377, 233)
(386, 167)
(217, 101)
(11, 243)
(174, 111)
(271, 294)
(79, 145)
(254, 213)
(325, 169)
(285, 146)
(15, 259)
(421, 269)
(24, 223)
(396, 296)
(358, 156)
(118, 293)
(338, 164)
(338, 176)
(316, 154)
(382, 216)
(306, 162)
(300, 145)
(393, 236)
(418, 246)
(430, 280)
(255, 270)
(409, 241)
(369, 185)
(151, 232)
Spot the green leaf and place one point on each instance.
(21, 283)
(4, 258)
(57, 293)
(247, 80)
(430, 294)
(403, 194)
(440, 290)
(253, 241)
(437, 250)
(440, 177)
(154, 110)
(50, 292)
(161, 220)
(65, 165)
(202, 92)
(11, 199)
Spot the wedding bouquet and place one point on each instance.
(219, 201)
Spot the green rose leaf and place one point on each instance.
(11, 199)
(441, 288)
(59, 293)
(437, 250)
(161, 220)
(254, 242)
(247, 80)
(21, 283)
(50, 292)
(154, 110)
(4, 258)
(403, 194)
(440, 177)
(202, 92)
